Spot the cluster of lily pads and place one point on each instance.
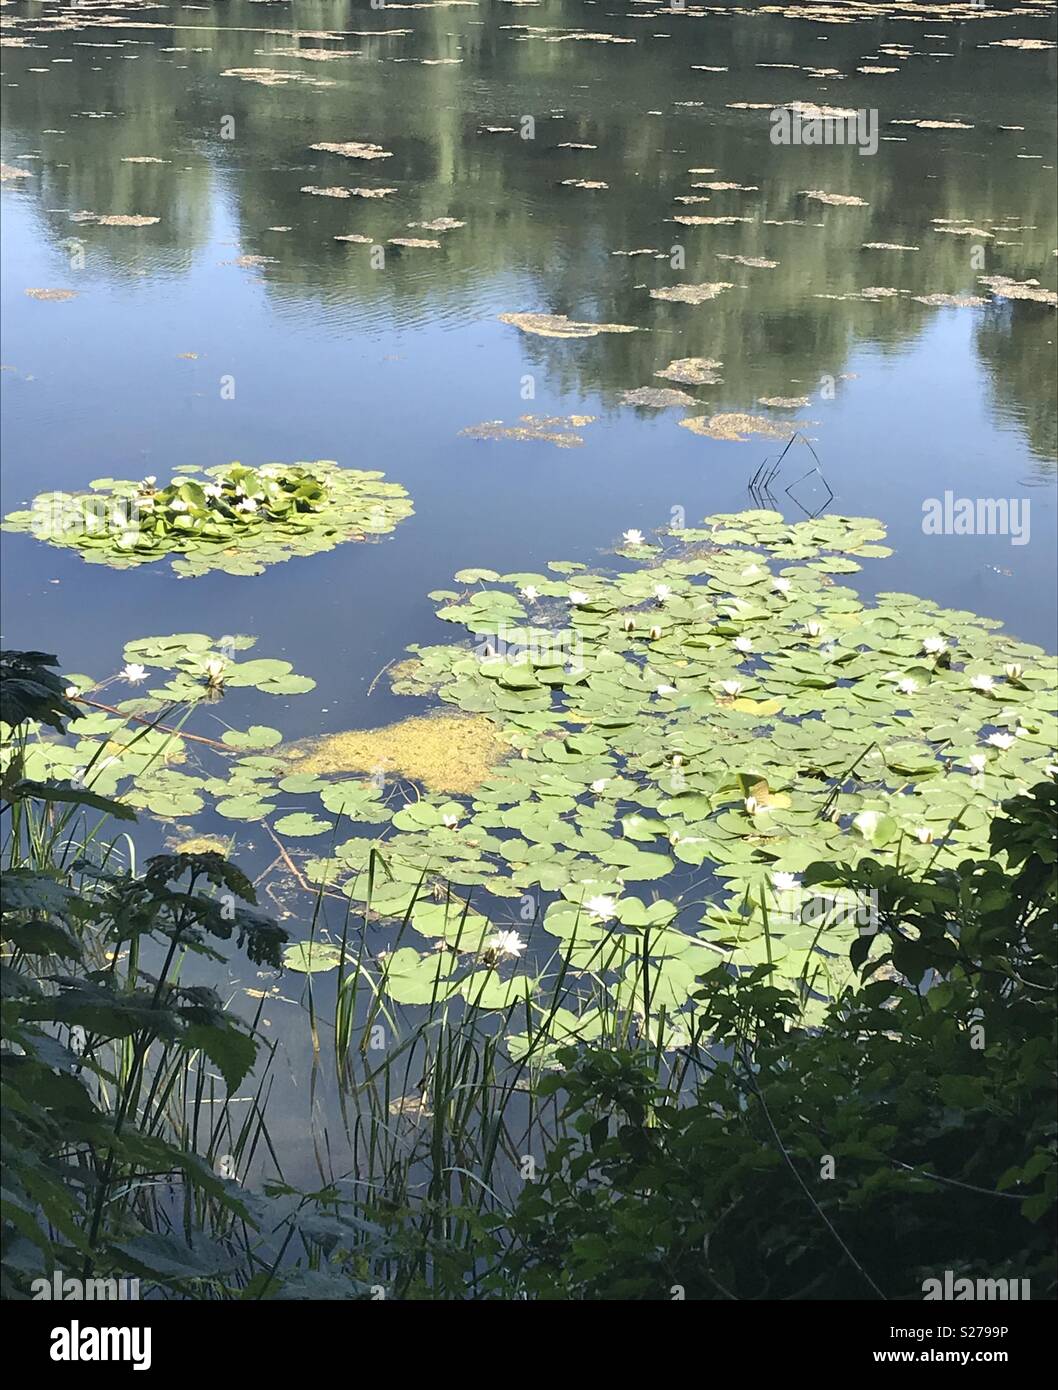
(687, 734)
(229, 518)
(140, 750)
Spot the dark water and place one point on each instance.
(382, 368)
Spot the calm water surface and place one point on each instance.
(329, 356)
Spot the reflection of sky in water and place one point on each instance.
(383, 369)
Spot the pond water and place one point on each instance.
(238, 326)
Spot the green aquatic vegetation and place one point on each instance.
(644, 772)
(229, 518)
(692, 735)
(141, 749)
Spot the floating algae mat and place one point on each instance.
(445, 752)
(228, 518)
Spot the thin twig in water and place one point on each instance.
(153, 724)
(301, 879)
(380, 675)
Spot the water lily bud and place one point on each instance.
(655, 633)
(630, 625)
(1013, 671)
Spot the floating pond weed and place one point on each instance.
(727, 709)
(228, 518)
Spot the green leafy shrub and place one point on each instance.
(93, 1044)
(911, 1133)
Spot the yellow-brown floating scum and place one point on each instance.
(445, 752)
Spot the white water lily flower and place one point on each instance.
(907, 686)
(780, 585)
(785, 883)
(1051, 769)
(506, 943)
(654, 633)
(1003, 741)
(215, 668)
(977, 762)
(923, 834)
(71, 692)
(665, 690)
(600, 784)
(531, 593)
(134, 673)
(752, 805)
(246, 505)
(814, 629)
(213, 490)
(633, 538)
(934, 646)
(602, 909)
(743, 645)
(1013, 671)
(981, 682)
(731, 688)
(178, 505)
(449, 822)
(662, 592)
(578, 596)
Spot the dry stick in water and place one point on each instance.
(153, 724)
(380, 675)
(302, 880)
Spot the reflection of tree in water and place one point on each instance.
(531, 243)
(1015, 342)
